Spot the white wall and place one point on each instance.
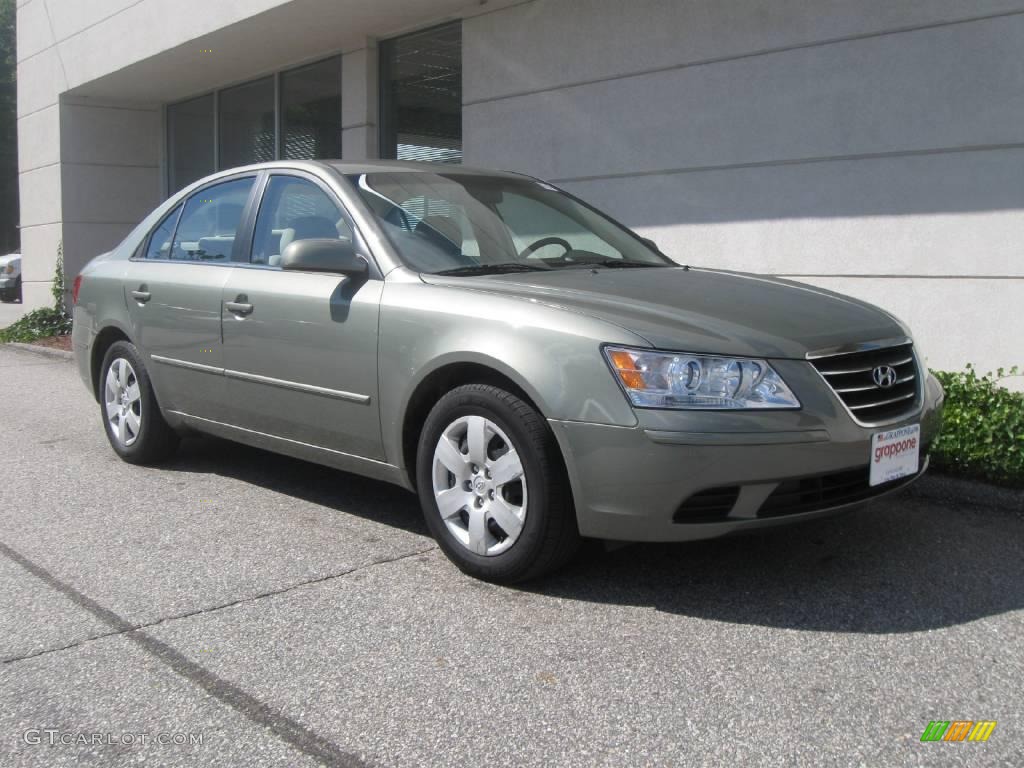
(872, 147)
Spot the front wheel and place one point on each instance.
(493, 486)
(134, 425)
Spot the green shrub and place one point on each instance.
(47, 321)
(37, 324)
(983, 428)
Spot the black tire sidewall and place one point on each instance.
(520, 557)
(154, 431)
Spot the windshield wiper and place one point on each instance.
(492, 269)
(609, 263)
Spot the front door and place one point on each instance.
(173, 292)
(300, 348)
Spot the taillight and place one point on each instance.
(74, 289)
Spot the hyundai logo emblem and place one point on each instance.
(884, 376)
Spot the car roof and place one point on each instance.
(368, 166)
(384, 166)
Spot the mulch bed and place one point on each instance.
(55, 342)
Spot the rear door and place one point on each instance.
(300, 348)
(173, 292)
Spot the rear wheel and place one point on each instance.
(134, 425)
(493, 486)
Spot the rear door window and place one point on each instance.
(159, 244)
(210, 220)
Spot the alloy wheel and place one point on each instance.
(123, 401)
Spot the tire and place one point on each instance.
(132, 419)
(477, 530)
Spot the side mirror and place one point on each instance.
(324, 255)
(651, 244)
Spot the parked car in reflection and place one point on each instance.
(536, 372)
(10, 277)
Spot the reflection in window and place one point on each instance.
(159, 244)
(294, 209)
(209, 222)
(247, 123)
(421, 95)
(189, 141)
(311, 111)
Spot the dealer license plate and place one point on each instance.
(895, 453)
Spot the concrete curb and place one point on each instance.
(957, 490)
(45, 351)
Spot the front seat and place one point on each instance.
(305, 228)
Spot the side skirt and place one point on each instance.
(378, 470)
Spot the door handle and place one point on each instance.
(142, 295)
(238, 307)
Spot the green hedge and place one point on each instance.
(983, 428)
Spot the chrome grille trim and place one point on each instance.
(848, 375)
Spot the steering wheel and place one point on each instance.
(545, 241)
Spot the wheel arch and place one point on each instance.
(105, 338)
(443, 379)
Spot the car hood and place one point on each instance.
(700, 310)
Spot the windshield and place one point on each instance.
(461, 224)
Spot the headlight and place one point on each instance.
(680, 380)
(9, 269)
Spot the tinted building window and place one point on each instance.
(189, 141)
(247, 123)
(311, 111)
(421, 95)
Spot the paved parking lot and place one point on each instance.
(9, 312)
(289, 614)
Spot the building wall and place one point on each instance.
(876, 148)
(90, 167)
(870, 146)
(94, 75)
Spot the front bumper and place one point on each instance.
(8, 283)
(630, 483)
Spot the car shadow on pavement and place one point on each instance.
(351, 494)
(905, 564)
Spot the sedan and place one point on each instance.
(535, 371)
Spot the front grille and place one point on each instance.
(708, 506)
(851, 376)
(809, 494)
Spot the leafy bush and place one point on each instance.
(983, 428)
(37, 324)
(47, 321)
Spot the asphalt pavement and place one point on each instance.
(253, 610)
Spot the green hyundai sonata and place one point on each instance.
(536, 372)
